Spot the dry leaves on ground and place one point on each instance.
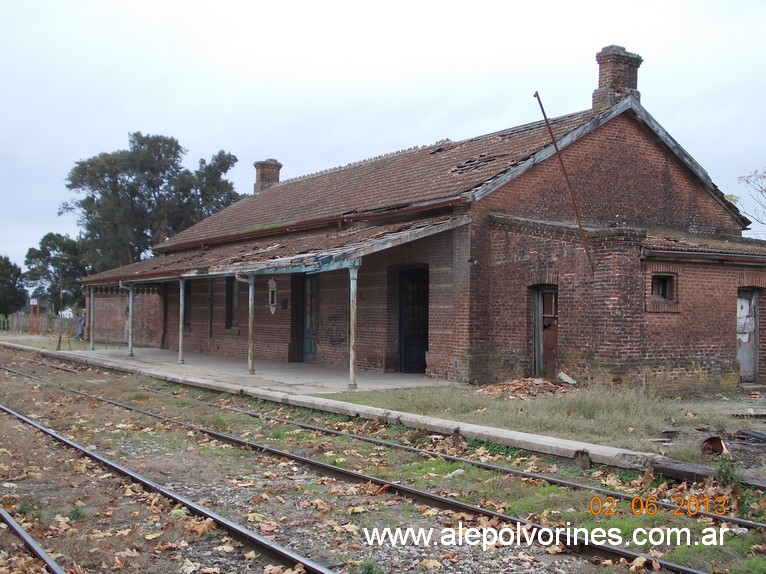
(523, 389)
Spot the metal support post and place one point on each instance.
(353, 272)
(181, 313)
(251, 324)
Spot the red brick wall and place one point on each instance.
(207, 332)
(446, 256)
(620, 175)
(111, 316)
(611, 330)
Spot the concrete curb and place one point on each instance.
(541, 444)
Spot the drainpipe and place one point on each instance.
(251, 323)
(353, 272)
(181, 313)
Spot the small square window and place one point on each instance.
(663, 288)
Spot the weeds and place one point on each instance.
(726, 472)
(76, 512)
(369, 567)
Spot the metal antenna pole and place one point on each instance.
(572, 196)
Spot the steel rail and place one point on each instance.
(574, 543)
(276, 552)
(451, 458)
(578, 544)
(478, 464)
(52, 566)
(424, 452)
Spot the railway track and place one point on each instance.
(533, 476)
(29, 541)
(433, 500)
(275, 552)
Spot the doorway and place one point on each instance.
(310, 318)
(413, 319)
(546, 330)
(747, 334)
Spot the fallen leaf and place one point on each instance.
(268, 526)
(321, 505)
(189, 567)
(178, 513)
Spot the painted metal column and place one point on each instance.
(130, 320)
(91, 323)
(251, 324)
(181, 313)
(353, 272)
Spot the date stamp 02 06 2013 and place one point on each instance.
(684, 506)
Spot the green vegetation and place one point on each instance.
(615, 417)
(369, 567)
(727, 472)
(76, 512)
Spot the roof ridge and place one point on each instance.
(360, 162)
(510, 131)
(535, 124)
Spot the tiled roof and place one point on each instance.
(704, 245)
(270, 254)
(441, 171)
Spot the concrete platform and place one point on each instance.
(276, 376)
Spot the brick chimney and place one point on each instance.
(266, 174)
(617, 76)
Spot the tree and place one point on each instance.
(12, 292)
(56, 269)
(136, 198)
(756, 183)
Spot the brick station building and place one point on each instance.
(467, 260)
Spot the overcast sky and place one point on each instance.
(318, 84)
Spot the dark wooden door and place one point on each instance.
(546, 331)
(310, 318)
(413, 320)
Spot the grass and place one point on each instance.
(369, 567)
(76, 512)
(615, 417)
(50, 341)
(734, 548)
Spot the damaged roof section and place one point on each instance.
(305, 252)
(414, 178)
(675, 246)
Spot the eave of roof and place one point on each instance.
(691, 248)
(338, 221)
(310, 251)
